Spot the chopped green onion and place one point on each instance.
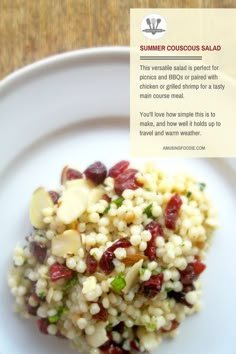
(202, 186)
(188, 195)
(41, 235)
(155, 272)
(69, 284)
(168, 290)
(142, 270)
(53, 319)
(150, 326)
(107, 209)
(118, 283)
(42, 295)
(118, 201)
(61, 310)
(148, 211)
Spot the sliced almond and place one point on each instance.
(73, 203)
(67, 243)
(95, 195)
(79, 184)
(40, 199)
(99, 337)
(133, 258)
(64, 174)
(132, 276)
(73, 225)
(78, 195)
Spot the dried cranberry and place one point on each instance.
(179, 297)
(188, 288)
(102, 315)
(118, 168)
(106, 346)
(32, 310)
(174, 325)
(134, 345)
(126, 180)
(191, 272)
(106, 198)
(150, 288)
(55, 196)
(38, 250)
(119, 327)
(199, 267)
(73, 174)
(155, 230)
(116, 350)
(105, 262)
(91, 263)
(110, 347)
(33, 292)
(58, 271)
(172, 211)
(187, 276)
(96, 172)
(121, 243)
(43, 325)
(60, 335)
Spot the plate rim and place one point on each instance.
(48, 61)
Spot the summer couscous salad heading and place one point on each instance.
(114, 258)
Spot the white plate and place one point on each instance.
(74, 108)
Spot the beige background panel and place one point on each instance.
(33, 29)
(181, 29)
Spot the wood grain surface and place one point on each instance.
(34, 29)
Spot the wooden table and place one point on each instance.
(34, 29)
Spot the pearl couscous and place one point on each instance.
(114, 258)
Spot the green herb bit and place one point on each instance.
(118, 283)
(41, 235)
(107, 209)
(109, 327)
(53, 319)
(150, 326)
(168, 290)
(142, 270)
(118, 201)
(42, 295)
(148, 211)
(202, 186)
(155, 272)
(69, 284)
(61, 310)
(188, 195)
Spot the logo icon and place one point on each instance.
(153, 26)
